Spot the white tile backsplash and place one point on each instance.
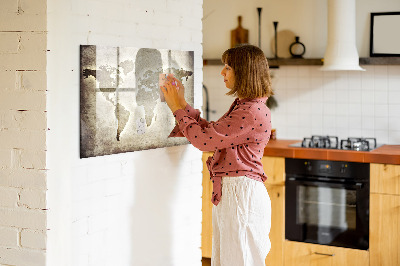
(345, 103)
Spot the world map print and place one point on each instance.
(121, 109)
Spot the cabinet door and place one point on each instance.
(206, 226)
(384, 230)
(385, 178)
(304, 254)
(274, 168)
(277, 233)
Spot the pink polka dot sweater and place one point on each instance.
(238, 139)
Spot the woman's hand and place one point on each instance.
(181, 92)
(173, 92)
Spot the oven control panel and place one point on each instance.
(337, 169)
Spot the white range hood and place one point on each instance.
(341, 51)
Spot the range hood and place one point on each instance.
(341, 51)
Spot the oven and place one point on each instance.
(327, 202)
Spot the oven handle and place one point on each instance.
(324, 254)
(357, 185)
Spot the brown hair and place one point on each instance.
(250, 66)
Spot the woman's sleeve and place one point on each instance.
(232, 130)
(193, 113)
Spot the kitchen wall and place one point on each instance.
(138, 208)
(23, 128)
(343, 103)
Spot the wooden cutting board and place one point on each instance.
(239, 35)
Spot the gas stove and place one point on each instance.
(332, 142)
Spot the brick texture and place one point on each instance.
(23, 126)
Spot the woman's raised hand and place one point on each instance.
(174, 94)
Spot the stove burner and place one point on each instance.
(328, 142)
(332, 142)
(358, 144)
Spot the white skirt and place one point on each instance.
(241, 223)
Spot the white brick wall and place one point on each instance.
(22, 132)
(139, 208)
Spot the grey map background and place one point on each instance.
(120, 106)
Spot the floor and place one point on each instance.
(206, 261)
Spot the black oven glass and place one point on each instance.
(327, 203)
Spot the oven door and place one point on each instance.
(327, 213)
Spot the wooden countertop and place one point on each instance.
(389, 154)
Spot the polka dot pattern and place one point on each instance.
(238, 139)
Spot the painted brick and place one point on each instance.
(33, 7)
(8, 6)
(23, 22)
(8, 197)
(16, 256)
(23, 218)
(7, 80)
(9, 42)
(9, 237)
(33, 199)
(5, 158)
(31, 80)
(34, 140)
(23, 100)
(33, 239)
(23, 178)
(33, 159)
(33, 120)
(31, 55)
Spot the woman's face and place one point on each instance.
(229, 76)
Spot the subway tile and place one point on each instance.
(355, 96)
(329, 109)
(367, 110)
(367, 96)
(381, 123)
(381, 97)
(342, 96)
(367, 133)
(380, 71)
(394, 137)
(382, 110)
(303, 82)
(394, 123)
(355, 122)
(291, 71)
(394, 97)
(394, 110)
(342, 122)
(394, 83)
(381, 84)
(394, 70)
(292, 82)
(382, 136)
(304, 72)
(355, 109)
(367, 122)
(355, 132)
(342, 109)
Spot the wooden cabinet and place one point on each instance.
(385, 215)
(304, 254)
(385, 178)
(274, 168)
(206, 226)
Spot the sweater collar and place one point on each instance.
(262, 99)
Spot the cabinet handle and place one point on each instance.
(324, 254)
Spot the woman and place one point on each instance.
(242, 208)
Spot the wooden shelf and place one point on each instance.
(273, 63)
(380, 61)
